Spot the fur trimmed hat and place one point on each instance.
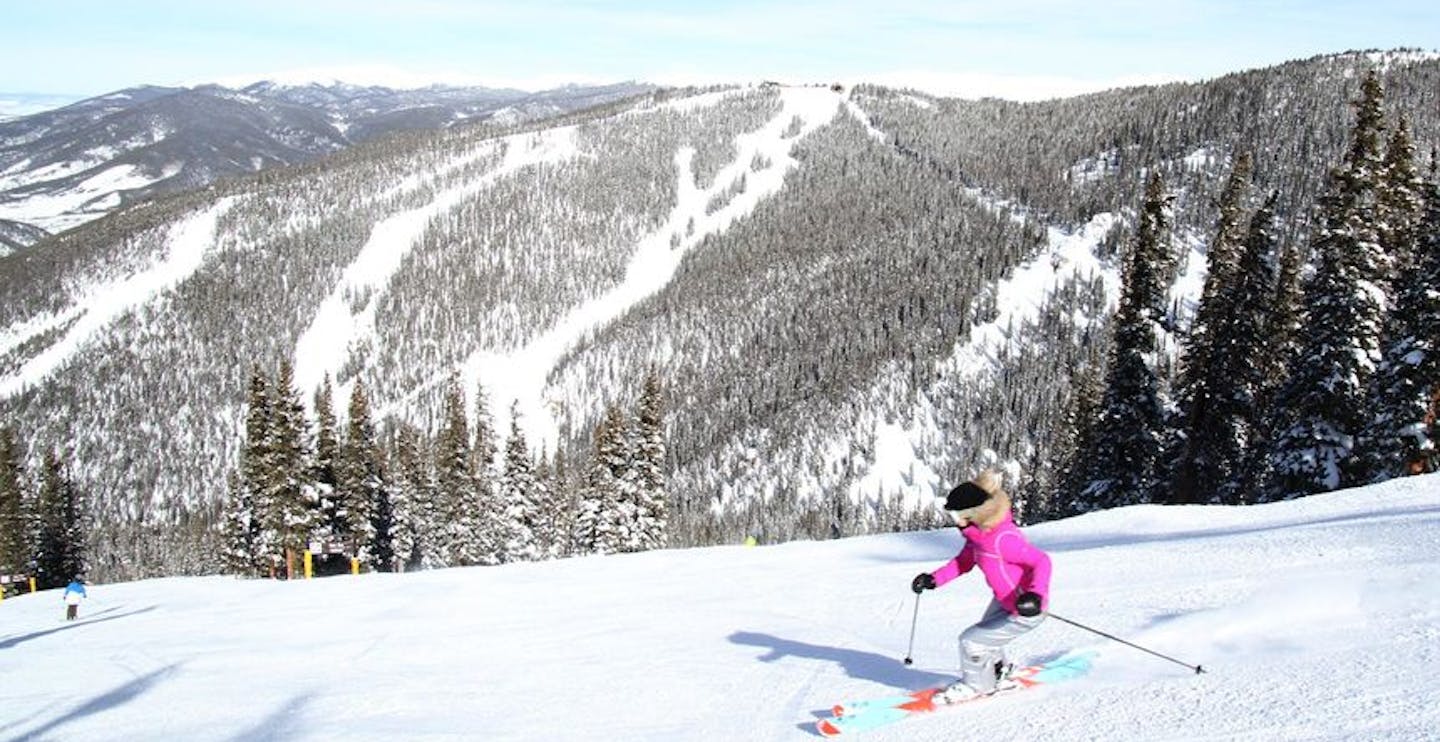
(975, 492)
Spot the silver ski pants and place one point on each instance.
(983, 645)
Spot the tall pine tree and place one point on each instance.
(519, 496)
(1206, 447)
(1120, 463)
(14, 522)
(652, 507)
(291, 508)
(60, 549)
(1322, 405)
(457, 540)
(369, 515)
(414, 509)
(1402, 436)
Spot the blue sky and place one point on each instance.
(1019, 48)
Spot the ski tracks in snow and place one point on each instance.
(521, 376)
(337, 328)
(188, 242)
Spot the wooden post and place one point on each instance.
(354, 566)
(309, 564)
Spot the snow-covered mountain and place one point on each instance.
(1315, 619)
(853, 296)
(67, 166)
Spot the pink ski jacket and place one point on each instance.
(1010, 564)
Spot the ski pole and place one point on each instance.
(913, 619)
(1197, 668)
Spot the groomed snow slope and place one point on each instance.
(1316, 618)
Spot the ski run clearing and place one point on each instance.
(1315, 619)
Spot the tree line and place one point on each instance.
(44, 519)
(415, 499)
(1289, 384)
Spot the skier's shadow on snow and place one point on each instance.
(877, 668)
(10, 641)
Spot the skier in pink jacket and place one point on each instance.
(1018, 574)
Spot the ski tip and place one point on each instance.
(826, 729)
(837, 710)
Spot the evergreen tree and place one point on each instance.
(1401, 202)
(292, 506)
(1222, 262)
(1201, 464)
(487, 517)
(1081, 414)
(604, 516)
(1241, 350)
(455, 492)
(551, 516)
(368, 518)
(240, 530)
(1401, 437)
(15, 545)
(1322, 404)
(60, 549)
(1121, 459)
(327, 455)
(519, 496)
(252, 503)
(650, 464)
(415, 522)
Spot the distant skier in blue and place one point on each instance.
(74, 593)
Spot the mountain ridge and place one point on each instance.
(64, 167)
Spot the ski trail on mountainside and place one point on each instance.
(187, 242)
(338, 327)
(522, 375)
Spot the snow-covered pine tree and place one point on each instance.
(292, 508)
(1322, 405)
(327, 454)
(1240, 355)
(1401, 201)
(14, 525)
(1402, 436)
(605, 517)
(455, 498)
(1205, 444)
(60, 548)
(1081, 415)
(239, 530)
(518, 496)
(362, 480)
(649, 466)
(415, 519)
(1281, 336)
(256, 474)
(1120, 463)
(488, 518)
(552, 518)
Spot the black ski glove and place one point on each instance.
(1028, 605)
(922, 582)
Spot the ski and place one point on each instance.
(860, 716)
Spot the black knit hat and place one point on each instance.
(966, 496)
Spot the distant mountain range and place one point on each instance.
(64, 167)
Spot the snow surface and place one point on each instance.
(1315, 619)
